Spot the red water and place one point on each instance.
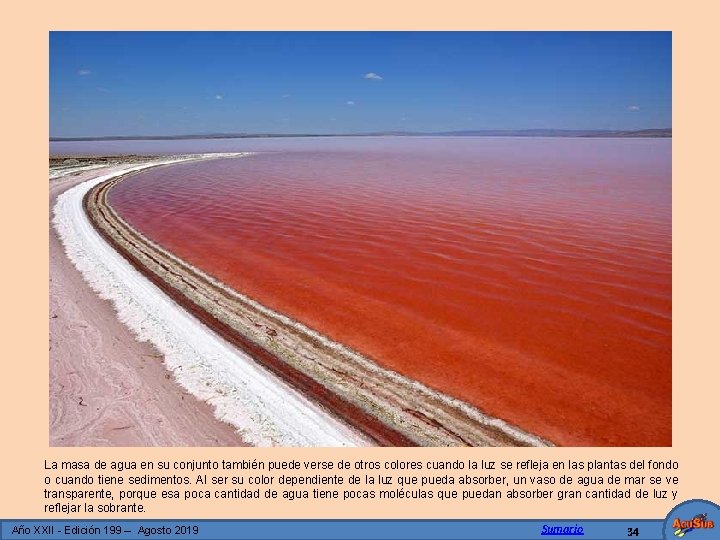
(529, 277)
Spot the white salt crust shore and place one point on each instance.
(264, 409)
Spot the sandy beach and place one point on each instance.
(107, 388)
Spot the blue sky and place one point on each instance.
(169, 83)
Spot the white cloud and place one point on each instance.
(103, 90)
(350, 102)
(84, 72)
(372, 76)
(633, 108)
(218, 96)
(285, 96)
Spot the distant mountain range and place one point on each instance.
(665, 132)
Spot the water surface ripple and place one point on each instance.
(529, 277)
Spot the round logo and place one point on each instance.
(696, 519)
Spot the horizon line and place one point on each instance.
(657, 132)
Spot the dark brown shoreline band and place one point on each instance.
(392, 410)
